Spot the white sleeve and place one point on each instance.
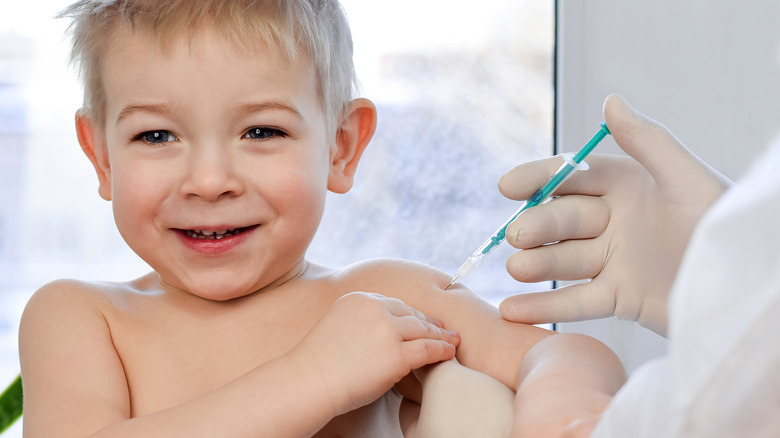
(640, 403)
(722, 375)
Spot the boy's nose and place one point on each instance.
(211, 175)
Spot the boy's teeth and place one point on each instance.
(203, 234)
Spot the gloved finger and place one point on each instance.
(578, 302)
(650, 143)
(568, 260)
(522, 181)
(564, 218)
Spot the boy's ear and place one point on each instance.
(95, 150)
(352, 137)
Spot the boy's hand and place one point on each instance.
(366, 343)
(625, 223)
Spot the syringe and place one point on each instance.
(573, 163)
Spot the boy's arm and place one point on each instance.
(507, 351)
(75, 385)
(559, 378)
(489, 343)
(566, 382)
(563, 381)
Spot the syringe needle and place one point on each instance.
(469, 265)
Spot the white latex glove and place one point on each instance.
(624, 223)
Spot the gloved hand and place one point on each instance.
(624, 224)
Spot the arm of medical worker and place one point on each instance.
(624, 224)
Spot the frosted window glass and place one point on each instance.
(463, 95)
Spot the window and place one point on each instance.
(463, 93)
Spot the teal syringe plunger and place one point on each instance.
(572, 163)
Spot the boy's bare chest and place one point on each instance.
(169, 361)
(167, 366)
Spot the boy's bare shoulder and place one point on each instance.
(418, 285)
(79, 292)
(393, 277)
(68, 323)
(396, 270)
(76, 296)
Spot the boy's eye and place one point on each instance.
(156, 137)
(260, 133)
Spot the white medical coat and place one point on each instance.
(721, 377)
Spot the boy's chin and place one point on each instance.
(236, 281)
(214, 289)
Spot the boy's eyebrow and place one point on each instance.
(161, 108)
(251, 108)
(245, 109)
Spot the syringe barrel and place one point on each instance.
(567, 169)
(499, 236)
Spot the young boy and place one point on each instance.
(215, 129)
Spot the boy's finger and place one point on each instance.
(420, 352)
(568, 260)
(572, 303)
(421, 316)
(565, 218)
(412, 327)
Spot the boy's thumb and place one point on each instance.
(648, 141)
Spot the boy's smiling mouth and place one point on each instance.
(212, 234)
(214, 240)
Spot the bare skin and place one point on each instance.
(168, 348)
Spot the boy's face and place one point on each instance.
(215, 158)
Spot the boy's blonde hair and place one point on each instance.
(318, 28)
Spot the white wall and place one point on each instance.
(707, 69)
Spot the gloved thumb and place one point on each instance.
(667, 160)
(576, 302)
